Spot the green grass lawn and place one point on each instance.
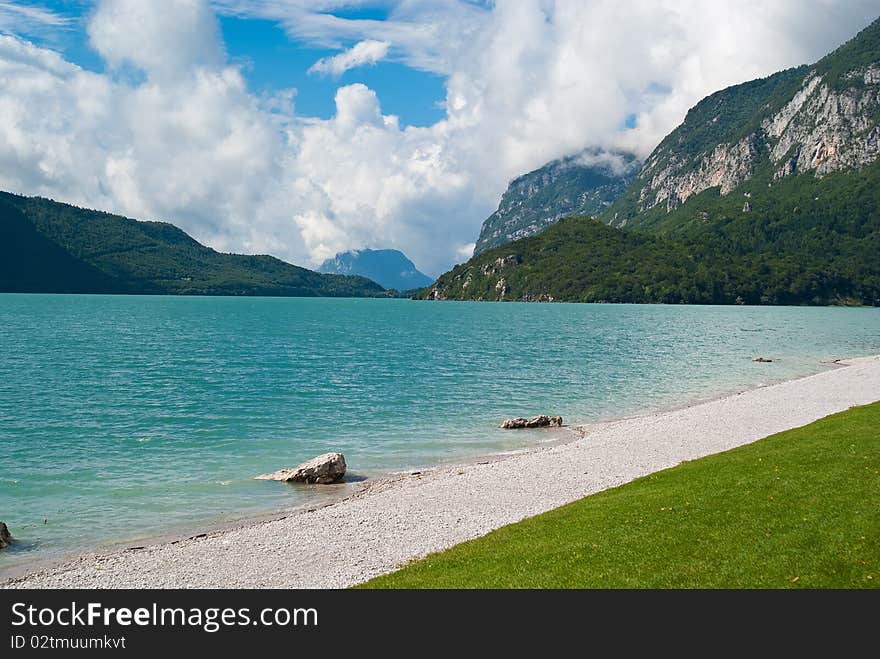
(800, 509)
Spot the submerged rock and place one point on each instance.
(763, 360)
(323, 470)
(5, 536)
(542, 421)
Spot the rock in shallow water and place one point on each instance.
(5, 536)
(323, 470)
(542, 421)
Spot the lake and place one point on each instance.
(126, 417)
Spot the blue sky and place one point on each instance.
(303, 128)
(272, 60)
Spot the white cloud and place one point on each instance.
(172, 149)
(164, 38)
(35, 21)
(427, 33)
(184, 140)
(361, 54)
(26, 19)
(466, 251)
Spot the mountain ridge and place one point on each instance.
(585, 183)
(768, 191)
(817, 119)
(52, 247)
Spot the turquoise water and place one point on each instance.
(126, 417)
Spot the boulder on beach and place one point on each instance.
(762, 360)
(323, 470)
(542, 421)
(5, 536)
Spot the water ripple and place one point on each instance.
(134, 415)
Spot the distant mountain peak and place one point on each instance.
(390, 268)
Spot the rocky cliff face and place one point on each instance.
(583, 184)
(813, 120)
(672, 183)
(826, 130)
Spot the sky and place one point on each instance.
(302, 128)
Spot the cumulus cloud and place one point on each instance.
(164, 38)
(361, 54)
(170, 148)
(183, 139)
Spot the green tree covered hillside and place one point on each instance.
(50, 247)
(768, 193)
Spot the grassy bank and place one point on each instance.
(799, 509)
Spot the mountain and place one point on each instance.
(768, 193)
(50, 247)
(829, 256)
(388, 267)
(582, 184)
(810, 121)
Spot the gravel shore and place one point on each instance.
(393, 521)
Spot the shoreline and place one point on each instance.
(566, 434)
(448, 503)
(362, 481)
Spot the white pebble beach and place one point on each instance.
(392, 521)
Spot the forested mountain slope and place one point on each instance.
(768, 193)
(50, 247)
